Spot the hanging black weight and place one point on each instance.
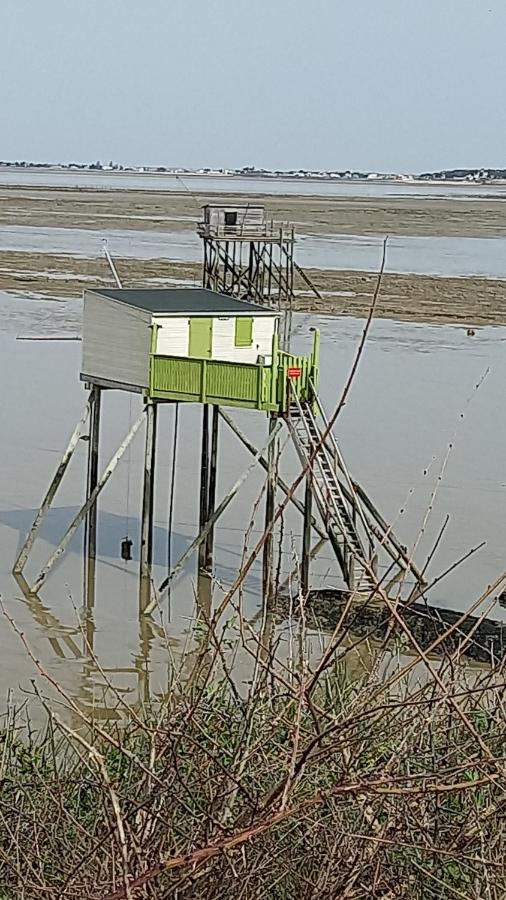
(126, 549)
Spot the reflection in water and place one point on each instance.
(99, 695)
(59, 637)
(102, 694)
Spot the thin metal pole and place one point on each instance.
(204, 484)
(111, 264)
(211, 498)
(71, 530)
(306, 538)
(148, 493)
(90, 525)
(270, 499)
(234, 253)
(269, 279)
(51, 491)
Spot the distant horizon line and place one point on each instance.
(478, 172)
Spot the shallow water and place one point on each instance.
(443, 256)
(416, 392)
(409, 254)
(238, 184)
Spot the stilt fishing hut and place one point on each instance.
(249, 256)
(189, 344)
(223, 345)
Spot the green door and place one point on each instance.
(201, 337)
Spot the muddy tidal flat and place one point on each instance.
(50, 244)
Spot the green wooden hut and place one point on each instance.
(191, 344)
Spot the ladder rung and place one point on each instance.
(325, 479)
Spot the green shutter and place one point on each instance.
(244, 332)
(201, 338)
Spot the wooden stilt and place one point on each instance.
(283, 486)
(267, 628)
(90, 525)
(270, 499)
(295, 574)
(204, 485)
(306, 538)
(50, 494)
(146, 555)
(204, 595)
(80, 516)
(211, 499)
(220, 509)
(142, 662)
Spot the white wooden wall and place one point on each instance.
(224, 340)
(174, 337)
(116, 341)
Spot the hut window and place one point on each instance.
(230, 218)
(244, 332)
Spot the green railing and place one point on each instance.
(210, 381)
(295, 374)
(252, 386)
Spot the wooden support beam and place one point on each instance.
(204, 484)
(295, 573)
(78, 519)
(148, 493)
(90, 524)
(307, 281)
(51, 492)
(263, 462)
(220, 509)
(211, 499)
(386, 536)
(306, 538)
(270, 501)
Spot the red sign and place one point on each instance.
(294, 372)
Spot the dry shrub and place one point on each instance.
(300, 783)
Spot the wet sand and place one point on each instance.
(421, 298)
(169, 211)
(417, 298)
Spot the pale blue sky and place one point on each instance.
(374, 84)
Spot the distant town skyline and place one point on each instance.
(396, 86)
(478, 173)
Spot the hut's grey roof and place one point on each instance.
(185, 301)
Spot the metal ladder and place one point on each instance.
(339, 516)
